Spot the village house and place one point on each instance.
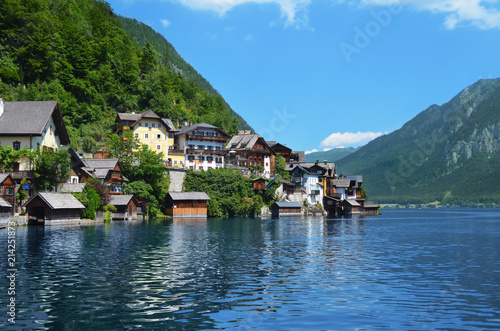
(34, 125)
(8, 188)
(126, 207)
(246, 150)
(187, 204)
(203, 146)
(150, 130)
(281, 149)
(312, 178)
(108, 171)
(51, 208)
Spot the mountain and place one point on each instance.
(447, 153)
(78, 53)
(332, 155)
(143, 34)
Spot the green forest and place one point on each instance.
(77, 53)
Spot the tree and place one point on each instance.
(51, 168)
(280, 167)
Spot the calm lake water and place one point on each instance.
(404, 270)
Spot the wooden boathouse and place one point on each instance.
(279, 209)
(186, 204)
(126, 207)
(51, 208)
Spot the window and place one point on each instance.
(16, 145)
(158, 136)
(158, 147)
(9, 191)
(146, 124)
(140, 123)
(153, 125)
(175, 162)
(170, 135)
(159, 125)
(146, 136)
(137, 135)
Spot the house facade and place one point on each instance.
(108, 171)
(50, 208)
(187, 204)
(8, 188)
(246, 150)
(150, 130)
(202, 145)
(34, 125)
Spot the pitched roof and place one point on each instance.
(4, 203)
(24, 118)
(246, 142)
(137, 117)
(129, 117)
(3, 177)
(287, 204)
(351, 202)
(101, 163)
(198, 126)
(73, 187)
(58, 200)
(120, 200)
(170, 125)
(188, 196)
(341, 182)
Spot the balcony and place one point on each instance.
(22, 174)
(205, 151)
(200, 137)
(175, 152)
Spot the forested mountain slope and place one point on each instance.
(76, 52)
(143, 34)
(448, 153)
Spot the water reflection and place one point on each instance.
(422, 271)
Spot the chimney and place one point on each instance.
(241, 132)
(133, 111)
(1, 107)
(326, 162)
(190, 123)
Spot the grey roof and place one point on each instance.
(24, 118)
(3, 177)
(352, 202)
(137, 117)
(4, 203)
(287, 204)
(341, 182)
(73, 187)
(58, 200)
(245, 142)
(101, 163)
(199, 126)
(120, 200)
(189, 196)
(358, 178)
(170, 125)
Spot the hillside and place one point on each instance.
(143, 33)
(332, 155)
(76, 52)
(447, 153)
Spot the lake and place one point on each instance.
(404, 270)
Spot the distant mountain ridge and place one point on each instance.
(333, 155)
(143, 33)
(447, 153)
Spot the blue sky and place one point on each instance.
(321, 74)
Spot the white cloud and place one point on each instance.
(336, 140)
(294, 12)
(479, 13)
(309, 152)
(165, 23)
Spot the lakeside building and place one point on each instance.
(51, 208)
(34, 125)
(281, 149)
(202, 146)
(280, 209)
(246, 150)
(126, 207)
(150, 130)
(8, 188)
(108, 171)
(313, 179)
(187, 204)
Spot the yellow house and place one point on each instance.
(150, 129)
